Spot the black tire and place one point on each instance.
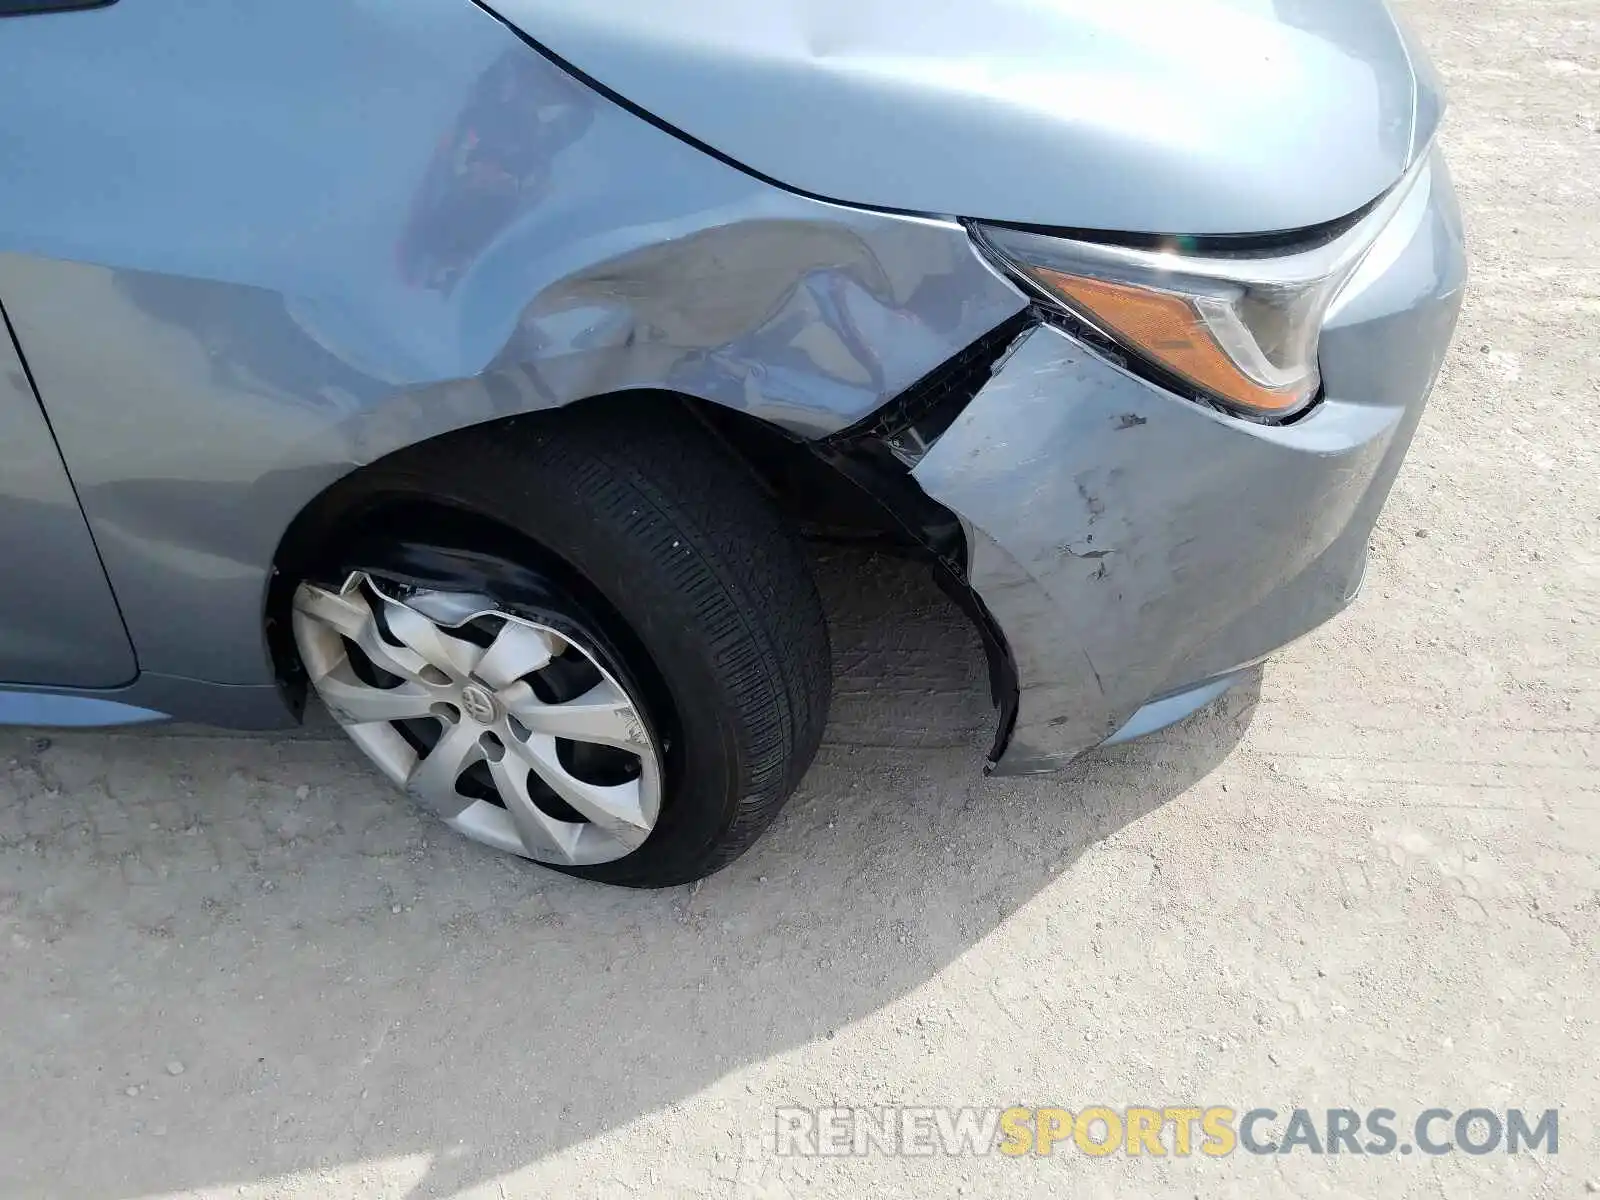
(704, 592)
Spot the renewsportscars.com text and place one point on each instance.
(1177, 1130)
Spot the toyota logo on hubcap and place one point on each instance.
(479, 705)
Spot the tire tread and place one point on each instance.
(655, 489)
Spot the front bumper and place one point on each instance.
(1132, 544)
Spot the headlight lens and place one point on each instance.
(1242, 329)
(1253, 351)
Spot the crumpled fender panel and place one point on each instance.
(283, 240)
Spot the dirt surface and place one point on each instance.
(241, 966)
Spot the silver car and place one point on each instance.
(481, 367)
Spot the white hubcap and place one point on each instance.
(452, 699)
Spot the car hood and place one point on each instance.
(1158, 116)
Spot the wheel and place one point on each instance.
(597, 645)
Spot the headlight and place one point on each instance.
(1241, 328)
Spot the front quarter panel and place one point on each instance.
(282, 240)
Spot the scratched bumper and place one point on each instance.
(1131, 544)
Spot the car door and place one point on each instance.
(58, 620)
(59, 623)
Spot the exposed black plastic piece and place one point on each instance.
(916, 418)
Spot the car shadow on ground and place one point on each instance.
(235, 957)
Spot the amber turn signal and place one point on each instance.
(1168, 329)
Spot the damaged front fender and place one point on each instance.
(434, 227)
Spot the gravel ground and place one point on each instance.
(240, 966)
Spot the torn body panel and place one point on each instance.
(1134, 545)
(1112, 551)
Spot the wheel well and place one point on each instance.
(854, 486)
